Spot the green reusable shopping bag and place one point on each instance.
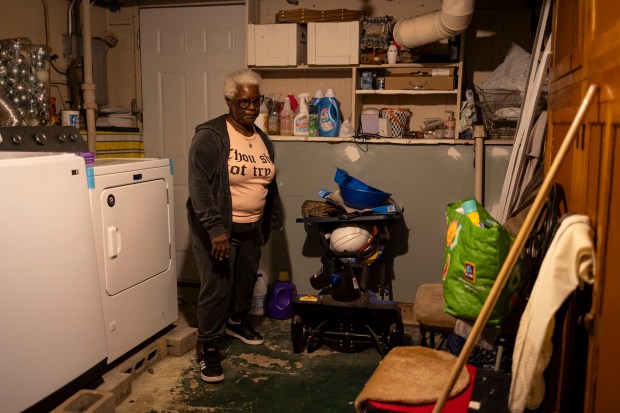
(473, 257)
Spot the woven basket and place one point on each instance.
(318, 209)
(399, 118)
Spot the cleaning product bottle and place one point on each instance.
(274, 118)
(329, 118)
(262, 118)
(302, 120)
(313, 117)
(450, 125)
(280, 300)
(471, 211)
(346, 130)
(260, 294)
(294, 103)
(286, 118)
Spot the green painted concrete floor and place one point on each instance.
(266, 378)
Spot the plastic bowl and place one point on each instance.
(343, 179)
(362, 199)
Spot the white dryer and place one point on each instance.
(133, 220)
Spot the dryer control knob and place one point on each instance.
(73, 137)
(62, 138)
(16, 139)
(40, 138)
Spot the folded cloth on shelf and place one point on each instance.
(411, 375)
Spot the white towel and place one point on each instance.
(568, 262)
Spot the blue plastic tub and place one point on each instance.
(343, 178)
(361, 199)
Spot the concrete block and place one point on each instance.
(145, 357)
(181, 340)
(88, 401)
(118, 383)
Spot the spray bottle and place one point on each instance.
(286, 118)
(302, 120)
(294, 103)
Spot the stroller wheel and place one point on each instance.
(298, 334)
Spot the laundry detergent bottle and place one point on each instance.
(259, 296)
(329, 118)
(280, 301)
(314, 108)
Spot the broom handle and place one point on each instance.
(515, 250)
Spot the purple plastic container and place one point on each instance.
(280, 301)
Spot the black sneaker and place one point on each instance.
(210, 366)
(244, 331)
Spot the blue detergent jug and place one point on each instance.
(313, 117)
(329, 117)
(280, 301)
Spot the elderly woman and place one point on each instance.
(233, 204)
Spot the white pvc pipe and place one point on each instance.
(452, 19)
(479, 164)
(88, 86)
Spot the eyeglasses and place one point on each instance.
(245, 103)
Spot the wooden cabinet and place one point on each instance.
(587, 50)
(345, 79)
(568, 37)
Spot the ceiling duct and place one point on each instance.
(452, 19)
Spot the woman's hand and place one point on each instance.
(220, 247)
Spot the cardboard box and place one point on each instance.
(276, 44)
(420, 78)
(334, 43)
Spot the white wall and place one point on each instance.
(26, 18)
(423, 178)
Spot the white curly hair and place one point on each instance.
(240, 77)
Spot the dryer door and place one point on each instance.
(136, 229)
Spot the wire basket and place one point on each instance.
(500, 111)
(399, 118)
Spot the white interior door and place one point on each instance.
(186, 53)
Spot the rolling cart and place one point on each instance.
(346, 314)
